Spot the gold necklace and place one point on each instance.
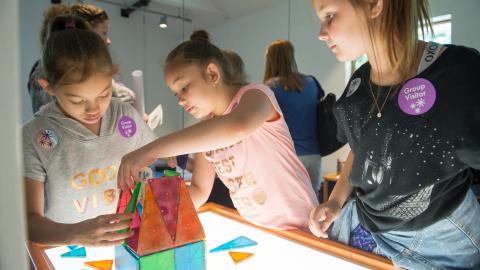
(379, 114)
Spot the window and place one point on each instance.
(442, 30)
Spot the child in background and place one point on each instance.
(243, 138)
(73, 146)
(412, 119)
(98, 19)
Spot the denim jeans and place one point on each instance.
(451, 243)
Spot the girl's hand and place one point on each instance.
(172, 162)
(102, 230)
(322, 217)
(132, 163)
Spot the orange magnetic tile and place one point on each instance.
(239, 257)
(100, 265)
(153, 235)
(189, 228)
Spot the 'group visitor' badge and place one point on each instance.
(417, 96)
(127, 126)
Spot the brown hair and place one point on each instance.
(49, 15)
(73, 53)
(236, 62)
(280, 63)
(198, 50)
(398, 22)
(91, 13)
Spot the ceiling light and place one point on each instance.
(163, 22)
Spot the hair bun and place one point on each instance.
(64, 22)
(200, 35)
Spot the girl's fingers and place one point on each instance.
(106, 243)
(115, 236)
(133, 176)
(113, 227)
(317, 218)
(326, 224)
(172, 162)
(121, 178)
(125, 177)
(109, 218)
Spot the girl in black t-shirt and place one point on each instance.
(411, 116)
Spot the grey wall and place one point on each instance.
(12, 211)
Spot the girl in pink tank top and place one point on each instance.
(243, 138)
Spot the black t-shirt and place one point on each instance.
(411, 167)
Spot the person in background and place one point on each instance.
(243, 138)
(411, 118)
(98, 20)
(297, 94)
(73, 146)
(38, 96)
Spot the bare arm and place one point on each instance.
(202, 180)
(322, 217)
(100, 231)
(343, 189)
(253, 110)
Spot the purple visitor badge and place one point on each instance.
(127, 126)
(417, 96)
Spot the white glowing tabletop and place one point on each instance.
(275, 249)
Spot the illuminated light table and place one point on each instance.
(275, 250)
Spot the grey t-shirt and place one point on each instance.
(77, 167)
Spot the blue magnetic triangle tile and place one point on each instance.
(76, 253)
(238, 242)
(139, 210)
(72, 247)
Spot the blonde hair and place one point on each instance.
(280, 62)
(237, 64)
(398, 32)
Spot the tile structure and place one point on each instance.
(168, 233)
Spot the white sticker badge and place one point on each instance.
(354, 84)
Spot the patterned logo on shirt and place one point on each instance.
(47, 139)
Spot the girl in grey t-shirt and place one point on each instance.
(73, 146)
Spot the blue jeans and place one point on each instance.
(451, 243)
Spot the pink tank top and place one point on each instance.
(268, 184)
